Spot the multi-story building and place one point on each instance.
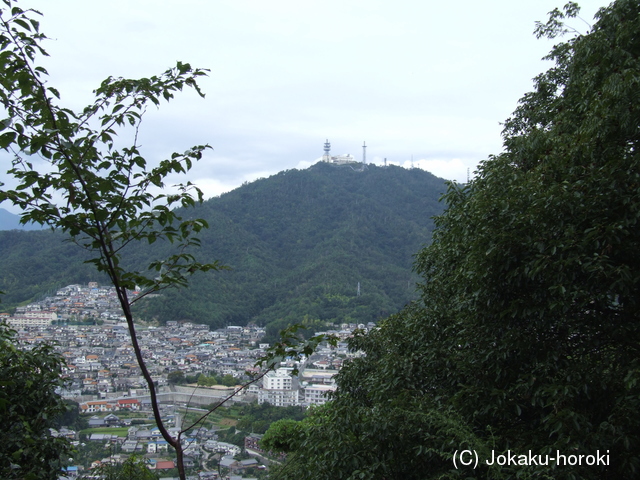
(279, 388)
(317, 394)
(34, 318)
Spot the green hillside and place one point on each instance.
(297, 244)
(33, 263)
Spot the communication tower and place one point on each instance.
(364, 153)
(327, 152)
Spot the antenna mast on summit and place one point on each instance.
(364, 153)
(327, 152)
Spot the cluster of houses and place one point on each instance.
(112, 405)
(71, 303)
(104, 377)
(147, 443)
(101, 364)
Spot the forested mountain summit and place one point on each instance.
(328, 243)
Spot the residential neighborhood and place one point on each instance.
(103, 376)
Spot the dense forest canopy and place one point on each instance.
(526, 340)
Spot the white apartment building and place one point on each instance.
(279, 389)
(317, 394)
(32, 319)
(279, 379)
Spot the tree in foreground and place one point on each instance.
(527, 336)
(29, 406)
(74, 174)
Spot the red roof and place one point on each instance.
(165, 465)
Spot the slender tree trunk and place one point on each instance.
(174, 442)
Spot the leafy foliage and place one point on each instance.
(283, 435)
(71, 417)
(257, 418)
(176, 377)
(9, 221)
(107, 200)
(526, 336)
(133, 468)
(73, 176)
(29, 406)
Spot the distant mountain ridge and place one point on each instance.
(298, 245)
(11, 221)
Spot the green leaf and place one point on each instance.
(7, 139)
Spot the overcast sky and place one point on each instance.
(415, 79)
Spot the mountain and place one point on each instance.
(329, 243)
(10, 221)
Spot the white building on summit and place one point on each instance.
(339, 159)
